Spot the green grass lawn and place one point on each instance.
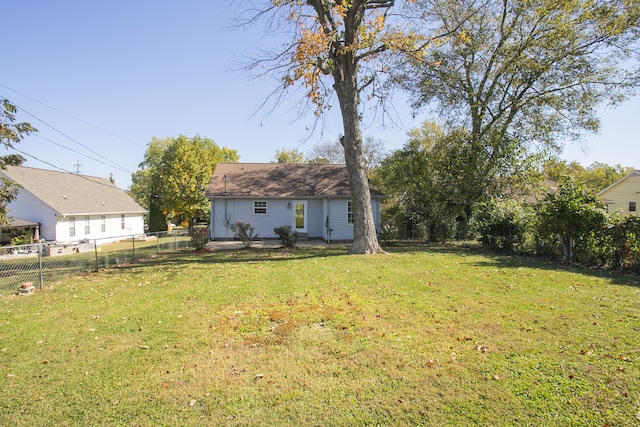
(423, 335)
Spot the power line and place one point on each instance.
(74, 117)
(67, 136)
(78, 152)
(88, 178)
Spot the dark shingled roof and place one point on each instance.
(280, 180)
(71, 194)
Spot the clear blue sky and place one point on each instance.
(131, 70)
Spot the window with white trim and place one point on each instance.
(122, 222)
(72, 226)
(87, 225)
(260, 207)
(349, 212)
(103, 223)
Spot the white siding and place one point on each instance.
(27, 206)
(134, 226)
(54, 227)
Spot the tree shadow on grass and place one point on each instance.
(496, 260)
(513, 261)
(244, 255)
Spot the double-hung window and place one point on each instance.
(260, 207)
(349, 212)
(632, 206)
(103, 223)
(87, 225)
(72, 226)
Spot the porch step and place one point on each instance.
(303, 237)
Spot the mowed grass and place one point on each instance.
(423, 335)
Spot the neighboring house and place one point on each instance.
(314, 199)
(623, 195)
(72, 207)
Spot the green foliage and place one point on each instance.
(199, 237)
(436, 179)
(504, 226)
(245, 232)
(292, 155)
(569, 217)
(10, 133)
(595, 177)
(519, 76)
(173, 177)
(288, 237)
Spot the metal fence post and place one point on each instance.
(95, 248)
(40, 251)
(133, 246)
(175, 242)
(158, 243)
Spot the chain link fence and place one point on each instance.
(38, 264)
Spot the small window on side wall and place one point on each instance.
(632, 206)
(349, 212)
(260, 207)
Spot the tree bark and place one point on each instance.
(365, 238)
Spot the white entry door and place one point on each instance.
(300, 216)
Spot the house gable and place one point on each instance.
(71, 194)
(624, 194)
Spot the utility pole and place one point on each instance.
(77, 165)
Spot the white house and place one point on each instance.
(72, 207)
(314, 199)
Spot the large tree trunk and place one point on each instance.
(365, 239)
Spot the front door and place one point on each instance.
(300, 216)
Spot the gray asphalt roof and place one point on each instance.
(280, 180)
(71, 194)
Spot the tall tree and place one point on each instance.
(146, 183)
(432, 178)
(338, 48)
(174, 174)
(520, 75)
(10, 133)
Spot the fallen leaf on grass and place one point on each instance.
(193, 402)
(258, 376)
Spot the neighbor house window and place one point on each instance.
(260, 207)
(632, 206)
(87, 225)
(103, 223)
(122, 222)
(72, 226)
(349, 212)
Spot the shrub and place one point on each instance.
(288, 237)
(245, 232)
(199, 238)
(504, 225)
